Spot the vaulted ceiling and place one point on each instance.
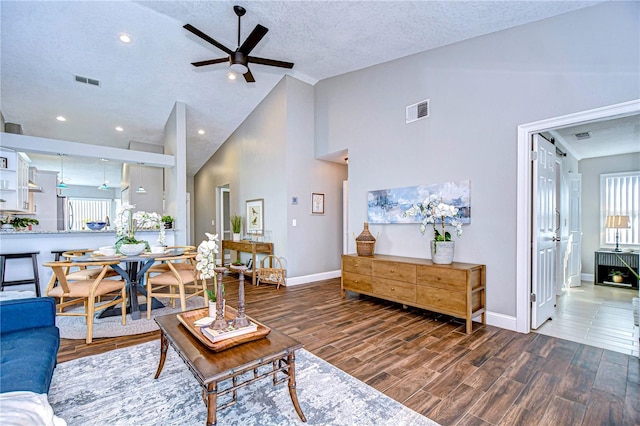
(44, 44)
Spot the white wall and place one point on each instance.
(271, 156)
(480, 91)
(591, 170)
(175, 179)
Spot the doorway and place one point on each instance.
(525, 197)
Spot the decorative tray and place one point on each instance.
(188, 318)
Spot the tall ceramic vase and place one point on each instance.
(442, 252)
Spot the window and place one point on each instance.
(86, 210)
(619, 196)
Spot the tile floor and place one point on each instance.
(596, 315)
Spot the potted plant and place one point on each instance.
(205, 265)
(617, 276)
(439, 214)
(128, 223)
(236, 226)
(19, 223)
(167, 221)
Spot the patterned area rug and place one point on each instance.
(76, 327)
(117, 388)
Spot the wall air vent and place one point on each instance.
(417, 111)
(582, 136)
(87, 80)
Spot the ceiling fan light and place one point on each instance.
(239, 68)
(231, 75)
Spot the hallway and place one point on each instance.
(599, 316)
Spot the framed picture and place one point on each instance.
(317, 203)
(255, 216)
(3, 162)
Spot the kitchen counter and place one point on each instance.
(45, 241)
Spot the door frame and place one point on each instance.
(524, 195)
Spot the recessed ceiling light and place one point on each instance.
(201, 132)
(61, 118)
(231, 75)
(119, 129)
(124, 37)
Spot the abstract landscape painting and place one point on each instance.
(389, 205)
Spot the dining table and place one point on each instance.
(132, 269)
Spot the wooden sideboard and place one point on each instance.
(457, 289)
(245, 246)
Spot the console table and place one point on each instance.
(246, 246)
(606, 261)
(457, 289)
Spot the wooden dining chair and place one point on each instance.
(180, 281)
(163, 267)
(87, 292)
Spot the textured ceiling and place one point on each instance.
(43, 44)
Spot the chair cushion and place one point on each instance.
(81, 288)
(187, 276)
(27, 359)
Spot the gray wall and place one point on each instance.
(270, 156)
(591, 170)
(480, 91)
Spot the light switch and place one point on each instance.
(294, 222)
(213, 223)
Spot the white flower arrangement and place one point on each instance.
(206, 257)
(433, 209)
(127, 223)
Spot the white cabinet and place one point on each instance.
(14, 182)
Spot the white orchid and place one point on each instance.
(206, 259)
(433, 209)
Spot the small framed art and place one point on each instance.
(317, 203)
(255, 216)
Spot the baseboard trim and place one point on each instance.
(587, 277)
(501, 320)
(305, 279)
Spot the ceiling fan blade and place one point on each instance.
(248, 77)
(209, 62)
(254, 38)
(206, 38)
(271, 62)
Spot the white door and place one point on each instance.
(544, 247)
(574, 264)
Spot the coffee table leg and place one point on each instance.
(212, 400)
(292, 385)
(164, 346)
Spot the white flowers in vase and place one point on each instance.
(433, 211)
(206, 259)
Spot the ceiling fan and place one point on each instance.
(239, 59)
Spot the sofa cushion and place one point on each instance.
(27, 359)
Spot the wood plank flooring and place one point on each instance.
(596, 315)
(427, 362)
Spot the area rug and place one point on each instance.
(76, 327)
(118, 388)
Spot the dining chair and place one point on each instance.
(86, 291)
(160, 267)
(180, 281)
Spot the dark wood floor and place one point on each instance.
(427, 362)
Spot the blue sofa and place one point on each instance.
(29, 343)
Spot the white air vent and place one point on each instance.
(417, 111)
(582, 136)
(87, 80)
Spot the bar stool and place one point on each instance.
(34, 260)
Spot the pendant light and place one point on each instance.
(140, 189)
(104, 186)
(61, 184)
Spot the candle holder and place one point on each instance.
(241, 320)
(219, 323)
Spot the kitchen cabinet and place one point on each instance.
(14, 182)
(457, 289)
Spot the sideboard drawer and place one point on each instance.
(360, 265)
(450, 279)
(453, 303)
(395, 271)
(395, 290)
(357, 282)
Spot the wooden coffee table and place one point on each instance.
(210, 368)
